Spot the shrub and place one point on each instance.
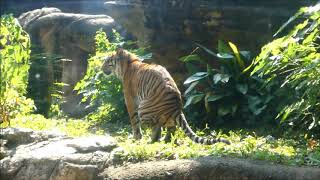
(290, 67)
(227, 92)
(14, 56)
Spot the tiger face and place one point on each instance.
(113, 62)
(109, 64)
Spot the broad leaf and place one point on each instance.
(312, 125)
(193, 99)
(224, 78)
(225, 56)
(285, 113)
(196, 77)
(214, 97)
(237, 54)
(191, 87)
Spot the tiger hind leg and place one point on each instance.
(169, 134)
(156, 133)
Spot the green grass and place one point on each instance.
(70, 127)
(245, 144)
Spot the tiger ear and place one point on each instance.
(120, 51)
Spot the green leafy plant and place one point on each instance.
(14, 56)
(290, 67)
(57, 100)
(228, 90)
(102, 92)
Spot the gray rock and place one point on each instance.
(117, 156)
(45, 155)
(207, 168)
(18, 136)
(66, 171)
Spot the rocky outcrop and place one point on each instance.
(68, 39)
(27, 154)
(41, 155)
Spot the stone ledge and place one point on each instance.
(211, 168)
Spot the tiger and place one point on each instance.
(151, 97)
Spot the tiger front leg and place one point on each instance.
(134, 119)
(136, 126)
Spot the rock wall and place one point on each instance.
(171, 27)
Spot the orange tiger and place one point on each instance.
(151, 96)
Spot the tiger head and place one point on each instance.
(111, 61)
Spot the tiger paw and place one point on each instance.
(137, 136)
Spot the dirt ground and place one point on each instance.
(211, 168)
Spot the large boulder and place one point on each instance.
(27, 154)
(63, 36)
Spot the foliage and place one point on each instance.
(227, 91)
(14, 56)
(99, 89)
(290, 67)
(105, 91)
(57, 100)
